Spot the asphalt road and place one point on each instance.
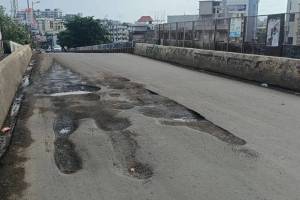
(118, 126)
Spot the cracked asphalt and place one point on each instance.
(118, 126)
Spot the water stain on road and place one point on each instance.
(75, 98)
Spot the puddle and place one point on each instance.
(64, 126)
(16, 105)
(60, 81)
(69, 93)
(26, 81)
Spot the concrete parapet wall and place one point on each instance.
(283, 72)
(14, 46)
(12, 69)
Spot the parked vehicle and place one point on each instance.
(57, 48)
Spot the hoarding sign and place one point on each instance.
(235, 28)
(274, 30)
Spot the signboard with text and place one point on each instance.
(235, 28)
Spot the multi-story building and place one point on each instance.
(48, 13)
(143, 29)
(50, 25)
(210, 10)
(227, 8)
(292, 34)
(118, 32)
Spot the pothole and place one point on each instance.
(125, 148)
(64, 126)
(208, 127)
(63, 82)
(174, 114)
(65, 156)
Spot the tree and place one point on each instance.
(83, 31)
(11, 30)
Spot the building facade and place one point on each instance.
(181, 18)
(118, 32)
(210, 10)
(48, 13)
(292, 34)
(50, 25)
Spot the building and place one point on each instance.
(219, 10)
(50, 25)
(48, 13)
(145, 20)
(227, 8)
(25, 17)
(293, 23)
(244, 8)
(182, 18)
(68, 17)
(142, 30)
(118, 32)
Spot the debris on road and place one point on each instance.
(265, 85)
(5, 129)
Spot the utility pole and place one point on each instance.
(28, 5)
(14, 8)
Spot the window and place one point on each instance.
(290, 40)
(292, 17)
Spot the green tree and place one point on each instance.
(83, 31)
(12, 30)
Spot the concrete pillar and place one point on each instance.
(183, 35)
(193, 34)
(176, 34)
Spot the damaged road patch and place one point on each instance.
(125, 147)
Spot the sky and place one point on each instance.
(131, 10)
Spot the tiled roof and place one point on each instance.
(145, 19)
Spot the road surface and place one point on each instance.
(118, 126)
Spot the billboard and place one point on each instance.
(274, 30)
(235, 28)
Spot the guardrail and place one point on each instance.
(119, 47)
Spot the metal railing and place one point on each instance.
(118, 47)
(274, 35)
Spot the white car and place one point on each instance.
(57, 48)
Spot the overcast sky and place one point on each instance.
(131, 10)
